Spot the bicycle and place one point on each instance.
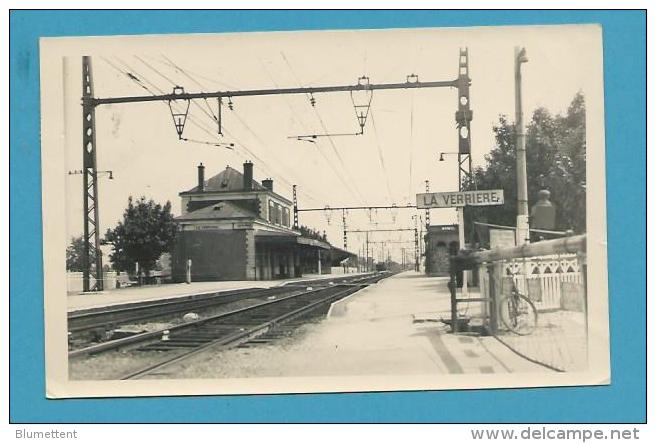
(518, 312)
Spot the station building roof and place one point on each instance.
(230, 180)
(222, 210)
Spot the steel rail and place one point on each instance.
(147, 336)
(95, 318)
(240, 336)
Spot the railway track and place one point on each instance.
(228, 329)
(101, 319)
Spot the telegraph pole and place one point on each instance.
(416, 247)
(522, 192)
(427, 215)
(344, 227)
(426, 248)
(295, 200)
(366, 260)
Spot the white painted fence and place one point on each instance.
(540, 278)
(74, 281)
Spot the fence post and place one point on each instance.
(493, 309)
(583, 269)
(454, 303)
(188, 272)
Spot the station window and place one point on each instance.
(278, 215)
(272, 212)
(285, 217)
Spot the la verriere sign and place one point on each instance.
(487, 197)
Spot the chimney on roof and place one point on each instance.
(248, 176)
(201, 178)
(268, 183)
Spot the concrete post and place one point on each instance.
(461, 241)
(250, 254)
(290, 263)
(138, 272)
(522, 192)
(454, 304)
(493, 271)
(188, 273)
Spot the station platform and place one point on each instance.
(115, 297)
(390, 328)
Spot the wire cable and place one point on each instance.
(238, 142)
(381, 157)
(354, 189)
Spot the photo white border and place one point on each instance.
(54, 242)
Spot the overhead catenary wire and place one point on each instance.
(325, 130)
(255, 156)
(138, 76)
(239, 144)
(381, 157)
(257, 92)
(294, 113)
(129, 75)
(214, 116)
(353, 189)
(168, 62)
(192, 119)
(141, 80)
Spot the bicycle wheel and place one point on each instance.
(518, 314)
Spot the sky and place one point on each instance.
(403, 136)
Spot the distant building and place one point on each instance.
(441, 241)
(234, 228)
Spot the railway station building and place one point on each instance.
(234, 228)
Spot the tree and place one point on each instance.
(555, 159)
(75, 255)
(147, 231)
(312, 233)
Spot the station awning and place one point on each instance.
(339, 255)
(272, 237)
(312, 242)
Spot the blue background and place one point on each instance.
(625, 98)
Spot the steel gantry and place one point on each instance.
(367, 231)
(344, 210)
(178, 101)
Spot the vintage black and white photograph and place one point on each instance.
(324, 211)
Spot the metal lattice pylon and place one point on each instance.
(464, 117)
(92, 259)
